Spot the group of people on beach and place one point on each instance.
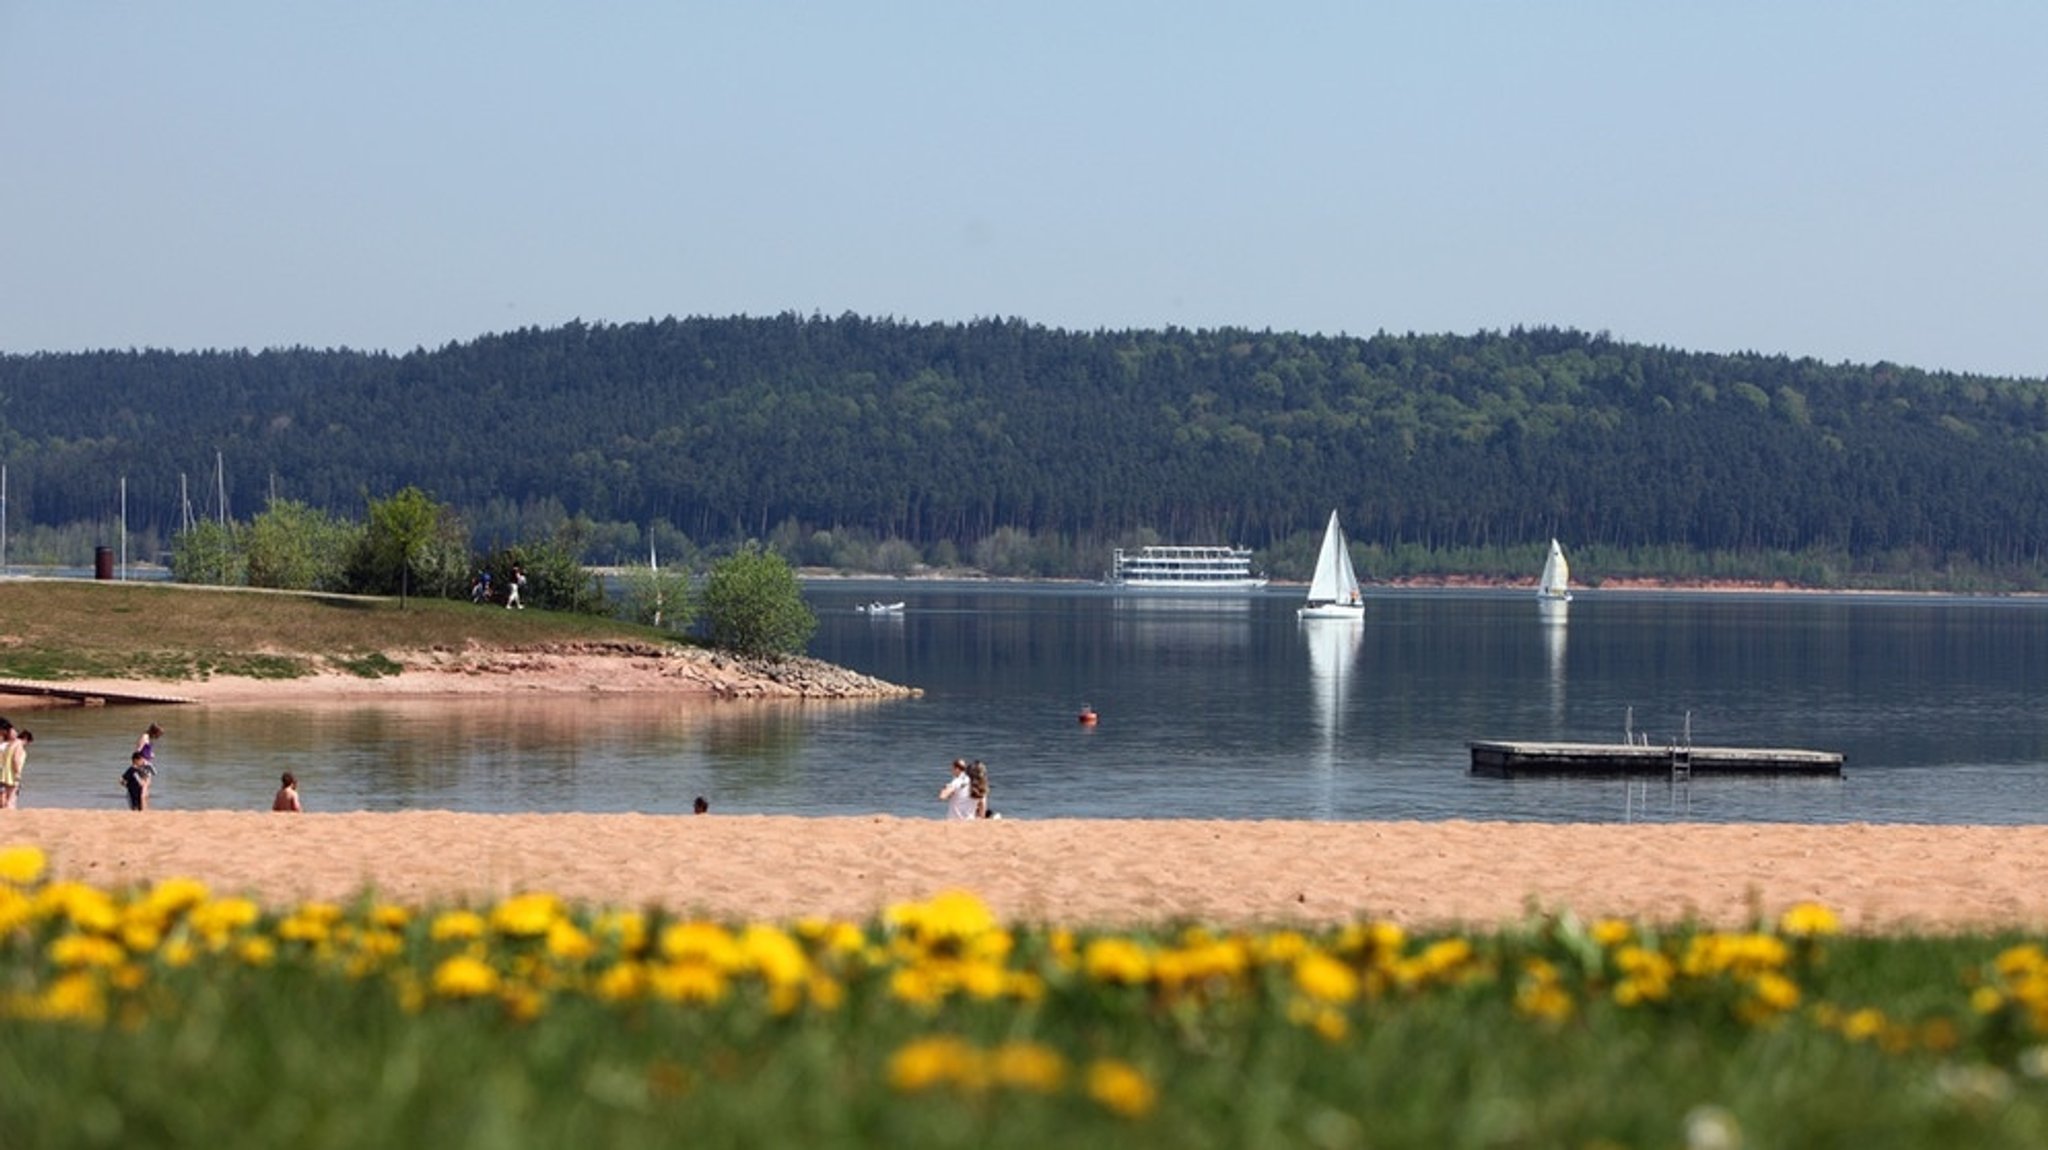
(136, 780)
(966, 793)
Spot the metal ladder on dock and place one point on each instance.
(1681, 755)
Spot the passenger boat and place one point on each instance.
(880, 608)
(1333, 592)
(1209, 570)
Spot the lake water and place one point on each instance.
(1210, 708)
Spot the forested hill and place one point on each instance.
(726, 428)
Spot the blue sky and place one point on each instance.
(1854, 182)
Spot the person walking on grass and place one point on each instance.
(512, 586)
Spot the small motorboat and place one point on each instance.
(880, 608)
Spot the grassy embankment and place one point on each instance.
(70, 629)
(172, 1017)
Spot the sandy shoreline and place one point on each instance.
(1080, 871)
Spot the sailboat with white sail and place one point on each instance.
(1333, 593)
(1555, 585)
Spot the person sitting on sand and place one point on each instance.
(700, 806)
(136, 779)
(977, 786)
(287, 795)
(957, 794)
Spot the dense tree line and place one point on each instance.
(950, 435)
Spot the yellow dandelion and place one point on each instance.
(701, 942)
(456, 926)
(567, 943)
(1774, 991)
(214, 921)
(1117, 960)
(87, 908)
(16, 909)
(917, 985)
(389, 916)
(1121, 1088)
(72, 997)
(625, 928)
(465, 976)
(522, 1002)
(1543, 999)
(1808, 920)
(932, 1061)
(22, 865)
(1027, 1066)
(1862, 1024)
(1324, 979)
(1986, 1000)
(1611, 932)
(778, 957)
(177, 895)
(826, 992)
(621, 983)
(256, 951)
(687, 982)
(526, 915)
(84, 951)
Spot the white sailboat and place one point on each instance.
(1555, 586)
(1333, 592)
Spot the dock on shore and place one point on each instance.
(1507, 759)
(89, 694)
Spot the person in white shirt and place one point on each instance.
(958, 794)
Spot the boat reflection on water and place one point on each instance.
(1183, 622)
(1333, 647)
(1556, 613)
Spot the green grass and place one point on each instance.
(54, 630)
(146, 1021)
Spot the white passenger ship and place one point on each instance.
(1203, 569)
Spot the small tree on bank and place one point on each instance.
(751, 604)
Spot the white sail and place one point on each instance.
(1557, 575)
(1333, 593)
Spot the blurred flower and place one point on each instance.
(464, 976)
(22, 865)
(1808, 920)
(1121, 1088)
(1028, 1066)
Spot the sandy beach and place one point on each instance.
(1079, 871)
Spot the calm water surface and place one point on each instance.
(1213, 708)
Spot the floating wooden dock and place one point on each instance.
(90, 694)
(1506, 759)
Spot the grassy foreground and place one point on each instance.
(79, 629)
(171, 1016)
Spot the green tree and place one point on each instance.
(658, 598)
(751, 604)
(209, 552)
(411, 545)
(294, 546)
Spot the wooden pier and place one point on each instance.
(88, 694)
(1507, 759)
